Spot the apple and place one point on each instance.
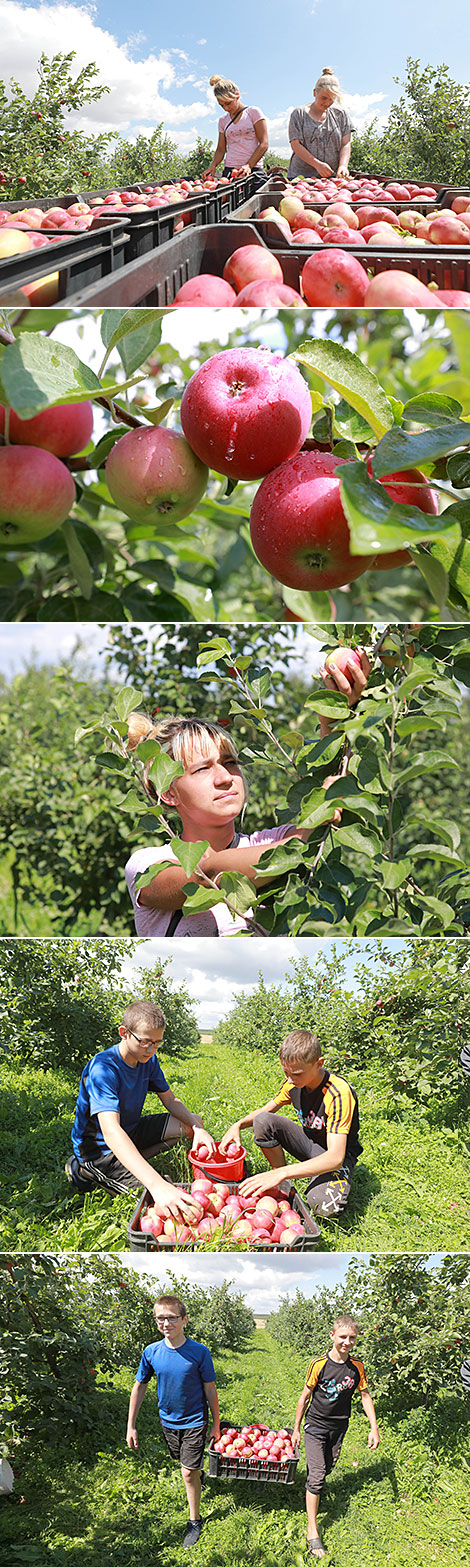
(455, 297)
(249, 263)
(269, 1203)
(397, 288)
(299, 530)
(331, 278)
(242, 1230)
(341, 658)
(13, 241)
(289, 1237)
(36, 495)
(205, 290)
(403, 493)
(202, 1184)
(232, 1150)
(262, 1221)
(245, 410)
(153, 474)
(264, 292)
(447, 230)
(63, 429)
(290, 207)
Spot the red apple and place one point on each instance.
(245, 410)
(403, 493)
(205, 290)
(333, 278)
(397, 288)
(264, 292)
(299, 530)
(342, 657)
(455, 297)
(63, 429)
(36, 495)
(249, 263)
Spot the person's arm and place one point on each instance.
(232, 1135)
(218, 157)
(168, 1196)
(302, 1406)
(307, 157)
(166, 890)
(368, 1407)
(261, 132)
(332, 1159)
(213, 1402)
(188, 1118)
(136, 1399)
(345, 154)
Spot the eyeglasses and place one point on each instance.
(161, 1320)
(147, 1044)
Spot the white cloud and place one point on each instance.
(264, 1281)
(360, 106)
(139, 87)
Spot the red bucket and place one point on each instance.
(218, 1167)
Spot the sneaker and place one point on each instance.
(80, 1182)
(192, 1533)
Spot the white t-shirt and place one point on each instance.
(241, 140)
(215, 922)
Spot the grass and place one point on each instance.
(405, 1503)
(409, 1193)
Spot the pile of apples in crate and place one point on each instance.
(372, 224)
(255, 1442)
(359, 187)
(222, 1215)
(38, 226)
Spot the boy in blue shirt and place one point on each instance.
(185, 1387)
(112, 1141)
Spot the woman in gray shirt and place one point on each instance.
(320, 132)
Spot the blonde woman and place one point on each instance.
(320, 132)
(243, 133)
(209, 796)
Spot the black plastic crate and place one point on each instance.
(270, 233)
(155, 279)
(138, 1242)
(80, 259)
(261, 1470)
(448, 268)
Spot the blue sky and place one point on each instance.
(160, 69)
(264, 1281)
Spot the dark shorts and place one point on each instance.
(108, 1171)
(326, 1194)
(187, 1444)
(322, 1450)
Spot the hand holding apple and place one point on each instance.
(232, 1135)
(346, 670)
(203, 1142)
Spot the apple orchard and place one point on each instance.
(286, 481)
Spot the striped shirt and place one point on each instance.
(322, 138)
(333, 1384)
(332, 1107)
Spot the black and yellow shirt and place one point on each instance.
(332, 1107)
(333, 1384)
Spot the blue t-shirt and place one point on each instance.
(180, 1374)
(108, 1083)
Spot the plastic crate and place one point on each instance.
(156, 278)
(448, 195)
(80, 259)
(268, 230)
(138, 1242)
(261, 1470)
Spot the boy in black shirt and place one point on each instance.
(324, 1138)
(326, 1403)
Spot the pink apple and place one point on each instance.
(332, 277)
(242, 1230)
(205, 290)
(264, 292)
(298, 527)
(249, 263)
(397, 288)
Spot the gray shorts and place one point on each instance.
(322, 1450)
(186, 1444)
(326, 1194)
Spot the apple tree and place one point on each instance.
(427, 132)
(388, 865)
(381, 406)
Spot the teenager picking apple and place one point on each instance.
(209, 796)
(325, 1401)
(320, 132)
(112, 1141)
(186, 1385)
(243, 134)
(323, 1141)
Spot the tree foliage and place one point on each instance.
(374, 391)
(427, 135)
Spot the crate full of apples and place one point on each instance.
(279, 1221)
(253, 1453)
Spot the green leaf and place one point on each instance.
(399, 450)
(432, 409)
(239, 889)
(444, 913)
(435, 575)
(418, 721)
(200, 899)
(135, 333)
(351, 378)
(78, 560)
(458, 470)
(363, 843)
(188, 854)
(330, 704)
(116, 764)
(376, 523)
(308, 606)
(453, 553)
(435, 851)
(158, 414)
(151, 872)
(393, 873)
(36, 372)
(448, 831)
(163, 771)
(425, 762)
(126, 701)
